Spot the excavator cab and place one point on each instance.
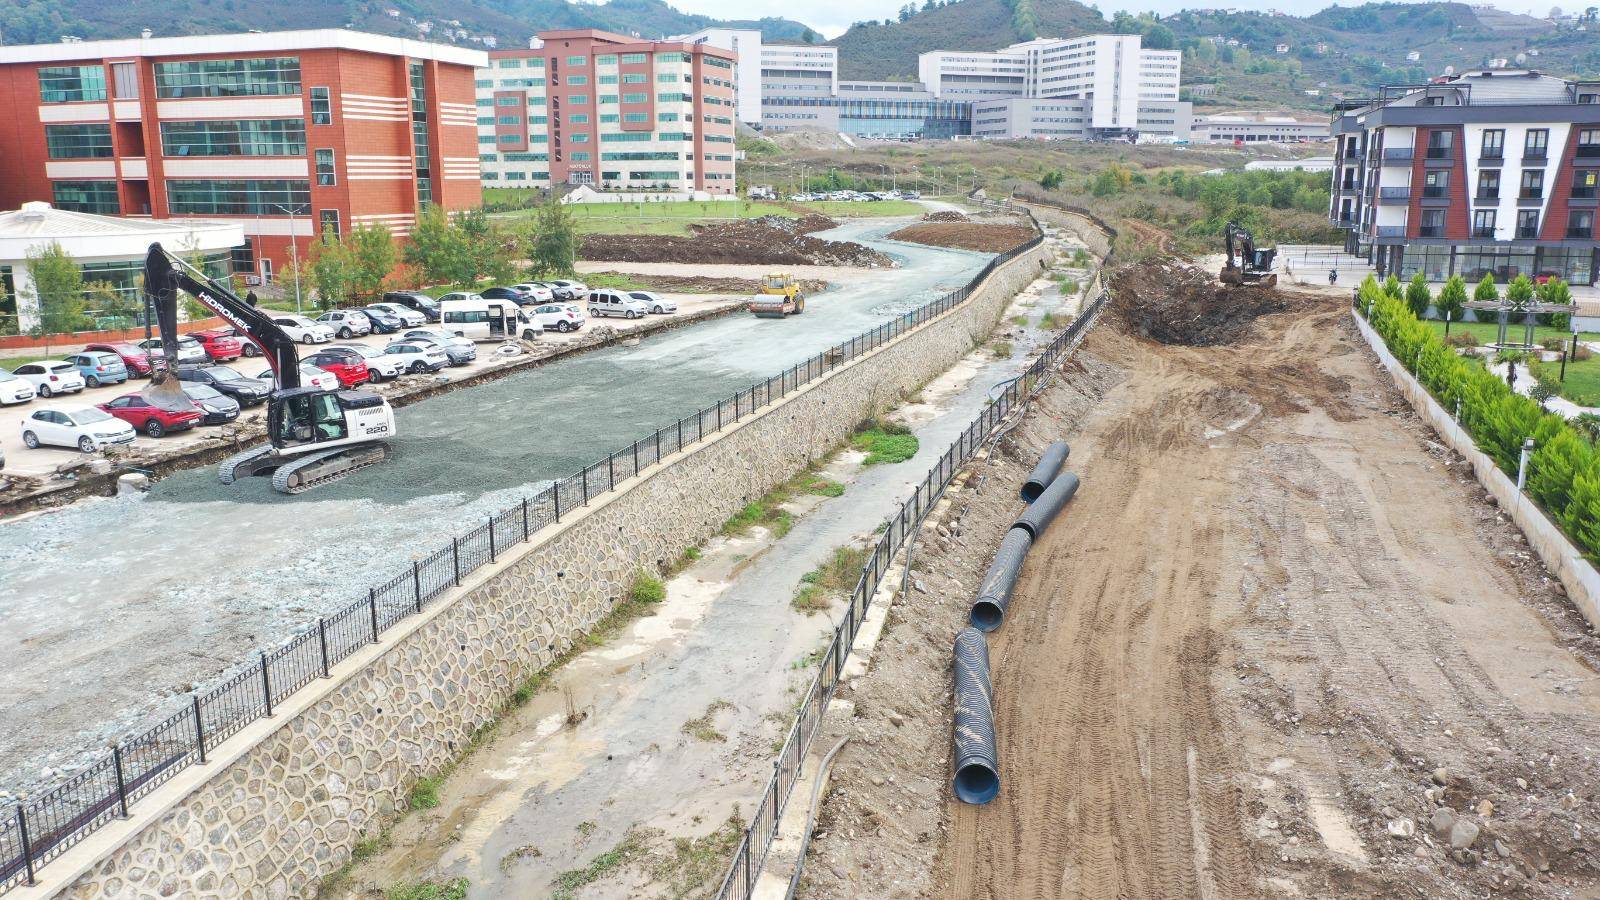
(1244, 263)
(306, 416)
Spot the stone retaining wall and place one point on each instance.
(282, 804)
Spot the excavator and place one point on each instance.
(315, 436)
(1246, 265)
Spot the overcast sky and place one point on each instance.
(832, 17)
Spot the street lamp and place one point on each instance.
(294, 250)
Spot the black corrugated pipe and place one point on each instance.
(977, 777)
(995, 593)
(1055, 456)
(1039, 513)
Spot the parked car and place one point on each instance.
(537, 292)
(133, 357)
(348, 366)
(346, 323)
(382, 322)
(302, 330)
(911, 195)
(566, 289)
(514, 293)
(50, 377)
(189, 350)
(247, 347)
(149, 418)
(215, 408)
(409, 318)
(244, 390)
(99, 368)
(470, 296)
(86, 427)
(221, 344)
(310, 376)
(416, 302)
(654, 302)
(562, 317)
(460, 351)
(608, 302)
(418, 356)
(14, 389)
(380, 365)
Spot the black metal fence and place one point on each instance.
(741, 878)
(35, 831)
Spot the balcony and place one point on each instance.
(1488, 197)
(1442, 153)
(1527, 233)
(1584, 193)
(1580, 234)
(1534, 157)
(1588, 151)
(1436, 192)
(1492, 158)
(1393, 196)
(1485, 232)
(1431, 231)
(1398, 156)
(1391, 231)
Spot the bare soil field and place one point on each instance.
(947, 228)
(1280, 645)
(773, 240)
(708, 284)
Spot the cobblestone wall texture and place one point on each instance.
(290, 810)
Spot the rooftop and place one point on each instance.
(1482, 87)
(87, 235)
(249, 42)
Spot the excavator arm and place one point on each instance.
(164, 276)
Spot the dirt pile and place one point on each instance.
(707, 284)
(964, 234)
(945, 215)
(769, 240)
(1176, 303)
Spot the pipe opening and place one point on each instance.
(987, 615)
(976, 783)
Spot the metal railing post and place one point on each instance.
(455, 555)
(199, 728)
(322, 639)
(493, 552)
(266, 683)
(585, 476)
(658, 446)
(122, 782)
(635, 457)
(719, 415)
(524, 518)
(416, 582)
(372, 608)
(680, 434)
(27, 848)
(611, 471)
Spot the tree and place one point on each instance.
(108, 304)
(373, 256)
(436, 248)
(555, 244)
(1555, 292)
(1486, 292)
(1418, 297)
(1452, 300)
(1051, 179)
(480, 244)
(1391, 286)
(57, 292)
(1519, 292)
(332, 272)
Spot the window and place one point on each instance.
(1489, 184)
(537, 101)
(581, 137)
(87, 196)
(608, 98)
(635, 78)
(71, 84)
(1441, 144)
(606, 59)
(78, 141)
(125, 75)
(672, 98)
(577, 119)
(325, 173)
(578, 99)
(577, 60)
(1527, 223)
(1483, 223)
(1532, 184)
(421, 148)
(277, 76)
(635, 98)
(1436, 183)
(507, 101)
(509, 63)
(510, 139)
(328, 222)
(1580, 224)
(509, 120)
(484, 83)
(632, 59)
(636, 117)
(237, 197)
(580, 157)
(1432, 223)
(667, 117)
(321, 106)
(1494, 143)
(608, 117)
(1536, 144)
(577, 80)
(1589, 143)
(1584, 183)
(234, 137)
(669, 78)
(606, 79)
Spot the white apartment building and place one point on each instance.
(1099, 86)
(767, 70)
(1257, 128)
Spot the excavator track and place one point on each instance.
(316, 469)
(229, 471)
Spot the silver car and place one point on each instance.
(346, 323)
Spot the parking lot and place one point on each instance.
(45, 460)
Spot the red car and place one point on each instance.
(152, 420)
(220, 344)
(348, 366)
(134, 357)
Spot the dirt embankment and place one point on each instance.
(952, 229)
(1179, 304)
(1280, 645)
(769, 240)
(706, 284)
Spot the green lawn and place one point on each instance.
(1487, 332)
(1583, 382)
(675, 217)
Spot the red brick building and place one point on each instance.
(608, 110)
(287, 132)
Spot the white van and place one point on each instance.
(477, 318)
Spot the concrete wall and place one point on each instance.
(281, 804)
(1577, 575)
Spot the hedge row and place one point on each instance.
(1564, 469)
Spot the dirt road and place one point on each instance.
(1279, 645)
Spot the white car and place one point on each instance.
(562, 317)
(654, 301)
(382, 366)
(462, 295)
(86, 428)
(607, 302)
(310, 376)
(346, 323)
(51, 376)
(190, 351)
(407, 316)
(442, 338)
(302, 330)
(567, 289)
(540, 293)
(416, 357)
(14, 389)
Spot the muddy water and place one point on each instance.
(193, 576)
(725, 635)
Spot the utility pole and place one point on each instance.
(294, 249)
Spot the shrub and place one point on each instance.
(1461, 339)
(647, 588)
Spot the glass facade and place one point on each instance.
(321, 106)
(71, 84)
(237, 197)
(234, 137)
(276, 76)
(126, 276)
(419, 134)
(78, 141)
(1503, 262)
(87, 196)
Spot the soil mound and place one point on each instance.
(1175, 303)
(965, 234)
(945, 215)
(770, 240)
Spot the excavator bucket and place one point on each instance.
(165, 391)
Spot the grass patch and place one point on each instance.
(697, 865)
(837, 576)
(1487, 332)
(454, 889)
(692, 554)
(647, 588)
(885, 442)
(569, 882)
(510, 860)
(1583, 379)
(810, 599)
(700, 727)
(768, 512)
(825, 487)
(1051, 321)
(1019, 321)
(1001, 349)
(425, 793)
